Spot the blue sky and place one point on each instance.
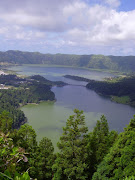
(68, 26)
(127, 5)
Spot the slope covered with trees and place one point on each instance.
(121, 90)
(100, 154)
(22, 91)
(115, 63)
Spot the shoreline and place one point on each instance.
(77, 67)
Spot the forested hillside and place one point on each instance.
(121, 90)
(22, 91)
(115, 63)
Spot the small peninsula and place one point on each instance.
(77, 78)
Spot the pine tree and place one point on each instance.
(5, 122)
(119, 163)
(70, 162)
(27, 137)
(99, 143)
(45, 159)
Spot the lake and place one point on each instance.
(48, 118)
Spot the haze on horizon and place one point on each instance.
(68, 26)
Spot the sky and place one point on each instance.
(68, 26)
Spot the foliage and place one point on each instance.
(41, 79)
(11, 79)
(40, 157)
(46, 157)
(122, 99)
(41, 165)
(130, 178)
(99, 143)
(10, 155)
(26, 137)
(102, 152)
(70, 162)
(120, 161)
(5, 122)
(17, 176)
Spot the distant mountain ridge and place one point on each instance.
(115, 63)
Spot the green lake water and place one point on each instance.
(48, 119)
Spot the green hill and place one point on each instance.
(115, 63)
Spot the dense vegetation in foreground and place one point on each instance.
(115, 63)
(97, 155)
(22, 91)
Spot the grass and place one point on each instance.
(122, 99)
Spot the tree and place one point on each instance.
(70, 162)
(99, 143)
(42, 164)
(119, 163)
(46, 150)
(27, 137)
(5, 122)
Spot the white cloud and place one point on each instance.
(69, 23)
(108, 28)
(19, 33)
(3, 30)
(113, 3)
